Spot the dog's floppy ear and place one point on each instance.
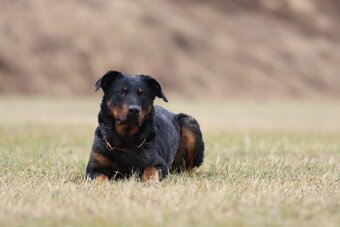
(155, 87)
(105, 80)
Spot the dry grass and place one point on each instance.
(274, 164)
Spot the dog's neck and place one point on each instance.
(121, 135)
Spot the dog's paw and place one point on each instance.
(151, 176)
(100, 179)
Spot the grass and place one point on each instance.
(267, 164)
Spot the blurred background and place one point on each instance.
(262, 77)
(212, 49)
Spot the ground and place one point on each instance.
(273, 163)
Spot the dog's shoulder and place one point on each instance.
(161, 112)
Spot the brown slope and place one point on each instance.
(233, 48)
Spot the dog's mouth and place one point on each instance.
(130, 120)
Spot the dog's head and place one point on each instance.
(129, 98)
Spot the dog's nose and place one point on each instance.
(134, 109)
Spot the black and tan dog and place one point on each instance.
(135, 135)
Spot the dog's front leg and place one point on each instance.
(100, 168)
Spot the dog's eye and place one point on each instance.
(141, 93)
(122, 91)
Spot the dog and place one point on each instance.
(135, 136)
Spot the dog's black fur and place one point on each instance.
(135, 135)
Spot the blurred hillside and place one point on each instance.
(195, 48)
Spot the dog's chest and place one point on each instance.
(138, 158)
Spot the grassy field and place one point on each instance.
(267, 164)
